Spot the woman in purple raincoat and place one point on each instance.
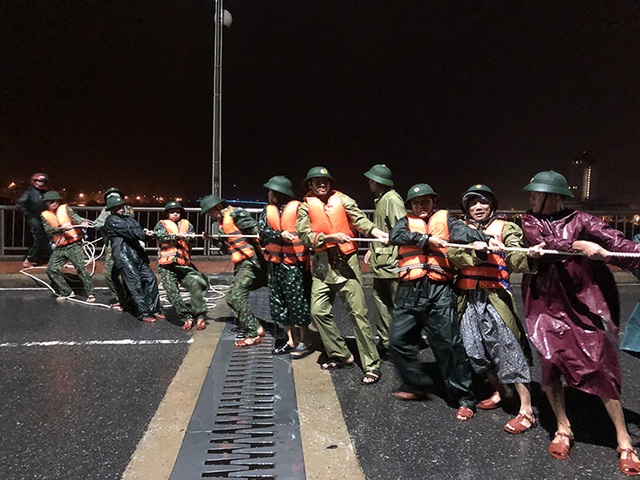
(572, 308)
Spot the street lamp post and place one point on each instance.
(222, 19)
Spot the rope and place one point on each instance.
(549, 252)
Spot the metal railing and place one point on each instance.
(16, 240)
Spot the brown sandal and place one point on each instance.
(628, 465)
(248, 342)
(559, 448)
(188, 324)
(201, 324)
(464, 414)
(517, 425)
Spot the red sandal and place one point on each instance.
(560, 448)
(517, 425)
(628, 465)
(188, 324)
(201, 324)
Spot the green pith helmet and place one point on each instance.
(115, 201)
(316, 172)
(51, 196)
(549, 182)
(418, 190)
(112, 191)
(208, 202)
(172, 205)
(482, 190)
(380, 174)
(280, 184)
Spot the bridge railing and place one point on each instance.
(16, 240)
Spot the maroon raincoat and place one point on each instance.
(571, 305)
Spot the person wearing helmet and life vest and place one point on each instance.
(327, 221)
(572, 308)
(114, 284)
(131, 261)
(491, 329)
(175, 236)
(289, 275)
(64, 226)
(250, 270)
(383, 259)
(426, 301)
(31, 205)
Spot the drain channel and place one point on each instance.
(245, 424)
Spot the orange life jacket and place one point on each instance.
(331, 218)
(177, 251)
(414, 262)
(238, 246)
(493, 272)
(59, 218)
(289, 253)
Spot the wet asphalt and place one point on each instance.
(78, 411)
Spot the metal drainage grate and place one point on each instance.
(245, 424)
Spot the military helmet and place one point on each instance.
(280, 184)
(549, 182)
(114, 201)
(316, 172)
(111, 191)
(51, 196)
(418, 190)
(208, 202)
(481, 190)
(381, 174)
(173, 205)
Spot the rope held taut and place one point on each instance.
(550, 252)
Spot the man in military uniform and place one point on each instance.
(383, 259)
(64, 226)
(426, 301)
(174, 236)
(249, 265)
(327, 221)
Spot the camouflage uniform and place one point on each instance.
(249, 275)
(72, 253)
(174, 275)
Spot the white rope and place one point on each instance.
(548, 252)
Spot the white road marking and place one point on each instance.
(95, 342)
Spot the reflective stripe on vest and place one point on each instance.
(178, 250)
(414, 262)
(331, 218)
(239, 248)
(492, 273)
(59, 218)
(289, 253)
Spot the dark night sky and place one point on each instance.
(101, 93)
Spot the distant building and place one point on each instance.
(582, 178)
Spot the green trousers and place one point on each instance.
(68, 254)
(195, 282)
(384, 291)
(248, 277)
(436, 315)
(352, 295)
